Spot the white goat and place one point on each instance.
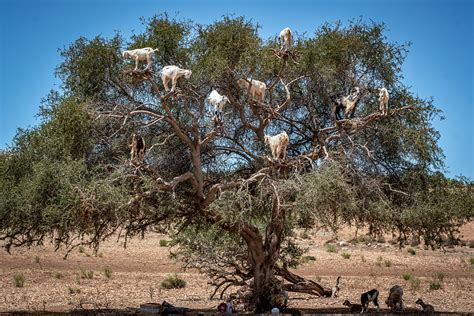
(140, 54)
(257, 89)
(218, 102)
(174, 73)
(383, 101)
(285, 38)
(278, 144)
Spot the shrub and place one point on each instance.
(378, 261)
(307, 259)
(81, 249)
(173, 282)
(415, 284)
(439, 276)
(407, 276)
(435, 285)
(381, 239)
(58, 275)
(411, 251)
(331, 248)
(304, 235)
(346, 255)
(73, 290)
(471, 260)
(163, 243)
(388, 263)
(108, 272)
(471, 244)
(37, 259)
(86, 274)
(19, 280)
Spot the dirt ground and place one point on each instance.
(54, 284)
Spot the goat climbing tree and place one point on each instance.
(231, 209)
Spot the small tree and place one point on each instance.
(231, 209)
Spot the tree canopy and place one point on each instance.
(213, 187)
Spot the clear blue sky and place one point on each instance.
(440, 64)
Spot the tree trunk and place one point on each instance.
(263, 274)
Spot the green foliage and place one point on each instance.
(407, 276)
(435, 285)
(387, 263)
(346, 255)
(163, 243)
(19, 280)
(331, 248)
(471, 260)
(307, 259)
(173, 282)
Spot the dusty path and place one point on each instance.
(54, 284)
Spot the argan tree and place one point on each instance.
(230, 207)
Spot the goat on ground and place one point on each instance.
(427, 308)
(367, 297)
(395, 298)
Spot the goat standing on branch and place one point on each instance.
(285, 38)
(347, 104)
(218, 102)
(278, 145)
(173, 73)
(140, 54)
(383, 101)
(137, 151)
(256, 89)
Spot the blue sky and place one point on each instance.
(439, 65)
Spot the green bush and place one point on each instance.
(407, 276)
(19, 280)
(378, 261)
(411, 251)
(173, 282)
(164, 243)
(346, 255)
(331, 248)
(388, 263)
(435, 285)
(307, 259)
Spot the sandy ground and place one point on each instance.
(54, 284)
